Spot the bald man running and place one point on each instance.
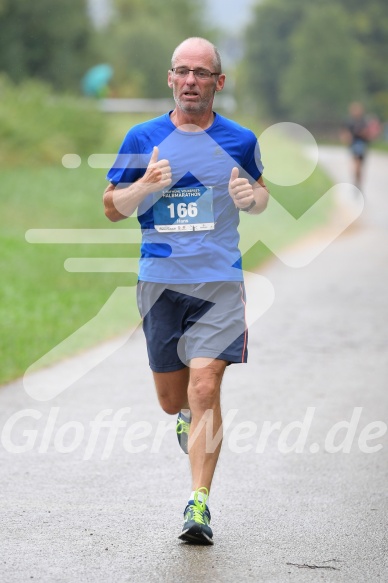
(189, 173)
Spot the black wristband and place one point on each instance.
(248, 208)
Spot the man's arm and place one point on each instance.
(120, 203)
(244, 194)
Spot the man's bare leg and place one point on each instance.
(358, 162)
(197, 389)
(204, 402)
(171, 388)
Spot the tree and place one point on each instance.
(142, 36)
(56, 41)
(369, 22)
(370, 27)
(267, 53)
(351, 57)
(46, 40)
(324, 73)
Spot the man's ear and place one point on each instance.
(169, 80)
(220, 83)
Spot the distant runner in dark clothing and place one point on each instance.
(356, 132)
(359, 130)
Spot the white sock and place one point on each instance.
(187, 414)
(201, 497)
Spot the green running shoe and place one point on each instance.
(182, 431)
(196, 527)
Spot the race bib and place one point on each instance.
(184, 209)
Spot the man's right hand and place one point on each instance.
(120, 203)
(158, 174)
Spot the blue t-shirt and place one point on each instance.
(189, 231)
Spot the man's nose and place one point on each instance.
(191, 79)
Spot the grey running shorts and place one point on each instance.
(186, 321)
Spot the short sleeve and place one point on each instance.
(252, 161)
(130, 162)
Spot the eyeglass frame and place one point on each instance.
(193, 71)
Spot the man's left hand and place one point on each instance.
(240, 190)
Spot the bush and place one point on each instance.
(38, 127)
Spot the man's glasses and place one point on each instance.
(199, 73)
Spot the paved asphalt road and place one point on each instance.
(318, 357)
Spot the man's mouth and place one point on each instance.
(190, 94)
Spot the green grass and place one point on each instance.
(42, 304)
(381, 145)
(38, 127)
